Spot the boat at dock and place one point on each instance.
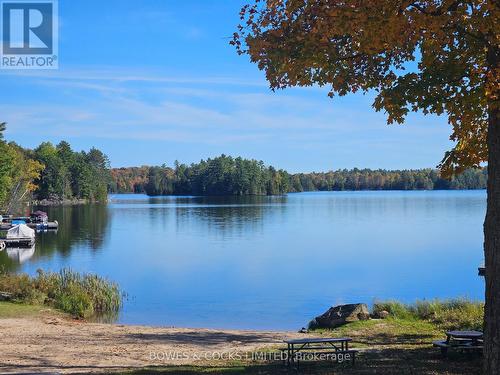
(51, 225)
(38, 221)
(19, 235)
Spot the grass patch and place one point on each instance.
(461, 314)
(421, 359)
(81, 295)
(403, 333)
(402, 343)
(15, 310)
(261, 369)
(396, 366)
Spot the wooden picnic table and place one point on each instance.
(468, 340)
(467, 335)
(322, 345)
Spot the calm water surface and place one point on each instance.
(268, 262)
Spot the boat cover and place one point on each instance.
(20, 231)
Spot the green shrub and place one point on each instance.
(75, 300)
(81, 295)
(47, 283)
(394, 308)
(103, 295)
(459, 314)
(106, 296)
(20, 286)
(35, 297)
(449, 314)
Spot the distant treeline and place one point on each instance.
(381, 179)
(225, 175)
(50, 172)
(222, 175)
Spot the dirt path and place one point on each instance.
(55, 345)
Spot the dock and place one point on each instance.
(19, 235)
(37, 220)
(20, 231)
(18, 242)
(50, 225)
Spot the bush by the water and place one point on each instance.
(449, 314)
(81, 295)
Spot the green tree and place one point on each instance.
(67, 158)
(223, 175)
(53, 180)
(353, 45)
(6, 166)
(249, 177)
(98, 163)
(69, 174)
(24, 172)
(17, 172)
(82, 178)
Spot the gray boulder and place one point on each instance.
(340, 315)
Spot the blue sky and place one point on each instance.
(149, 82)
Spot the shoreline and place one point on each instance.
(35, 339)
(57, 343)
(61, 202)
(76, 202)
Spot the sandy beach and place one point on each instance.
(40, 340)
(60, 345)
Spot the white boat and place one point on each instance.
(20, 235)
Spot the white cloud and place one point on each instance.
(120, 104)
(117, 75)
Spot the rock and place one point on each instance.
(381, 314)
(340, 315)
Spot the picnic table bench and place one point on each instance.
(319, 348)
(461, 340)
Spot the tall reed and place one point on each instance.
(80, 294)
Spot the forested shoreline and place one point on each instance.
(225, 175)
(50, 172)
(56, 173)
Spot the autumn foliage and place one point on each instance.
(429, 56)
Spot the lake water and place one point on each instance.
(268, 262)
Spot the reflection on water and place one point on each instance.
(20, 254)
(79, 226)
(268, 262)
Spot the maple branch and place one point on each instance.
(464, 31)
(438, 12)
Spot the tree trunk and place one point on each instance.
(492, 239)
